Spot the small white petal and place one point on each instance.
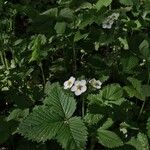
(97, 87)
(92, 81)
(83, 82)
(78, 92)
(76, 82)
(66, 85)
(84, 88)
(104, 26)
(72, 79)
(99, 82)
(74, 88)
(69, 83)
(116, 15)
(109, 26)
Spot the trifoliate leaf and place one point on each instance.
(53, 121)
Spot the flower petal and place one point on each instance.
(72, 79)
(74, 88)
(78, 92)
(99, 82)
(84, 88)
(76, 82)
(66, 85)
(83, 82)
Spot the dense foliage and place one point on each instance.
(103, 46)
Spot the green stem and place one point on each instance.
(92, 143)
(142, 108)
(2, 59)
(6, 62)
(12, 143)
(74, 58)
(43, 76)
(148, 81)
(74, 54)
(83, 106)
(143, 105)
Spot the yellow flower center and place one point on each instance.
(69, 83)
(79, 87)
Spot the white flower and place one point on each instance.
(107, 24)
(124, 131)
(79, 87)
(95, 83)
(115, 16)
(69, 83)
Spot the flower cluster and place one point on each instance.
(107, 24)
(80, 86)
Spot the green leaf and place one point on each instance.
(53, 121)
(146, 90)
(87, 19)
(144, 49)
(60, 27)
(109, 122)
(129, 63)
(67, 13)
(148, 127)
(78, 36)
(17, 42)
(142, 138)
(135, 143)
(92, 119)
(135, 83)
(18, 114)
(73, 134)
(111, 94)
(53, 12)
(124, 42)
(86, 5)
(36, 45)
(62, 103)
(109, 139)
(126, 2)
(102, 3)
(135, 89)
(42, 124)
(140, 143)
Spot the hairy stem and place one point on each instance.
(2, 59)
(143, 105)
(43, 76)
(92, 143)
(83, 106)
(74, 58)
(6, 61)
